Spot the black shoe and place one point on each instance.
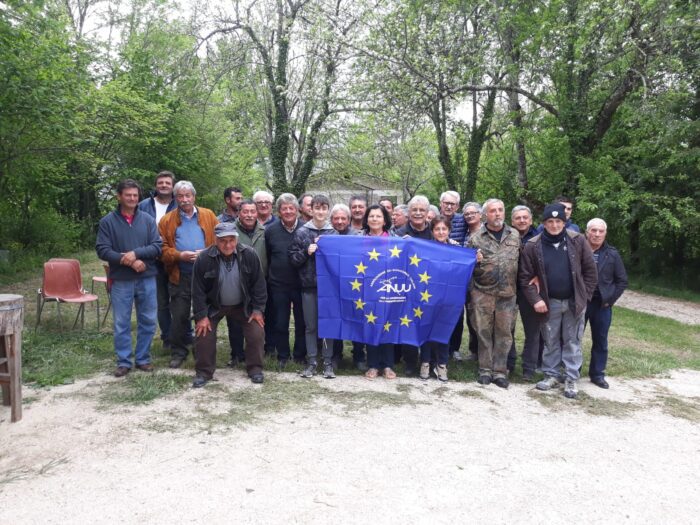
(232, 363)
(257, 378)
(176, 362)
(121, 371)
(601, 382)
(501, 382)
(484, 380)
(199, 382)
(528, 376)
(270, 350)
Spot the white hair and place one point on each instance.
(595, 221)
(489, 202)
(340, 207)
(450, 193)
(264, 194)
(286, 198)
(474, 205)
(418, 199)
(184, 185)
(520, 207)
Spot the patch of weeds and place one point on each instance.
(474, 394)
(247, 405)
(139, 389)
(60, 358)
(556, 402)
(441, 391)
(405, 388)
(681, 408)
(28, 400)
(22, 473)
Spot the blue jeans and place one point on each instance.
(381, 356)
(600, 318)
(142, 293)
(432, 350)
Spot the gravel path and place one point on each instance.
(682, 311)
(427, 453)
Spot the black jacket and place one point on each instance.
(612, 277)
(299, 252)
(281, 275)
(205, 282)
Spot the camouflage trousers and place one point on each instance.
(493, 318)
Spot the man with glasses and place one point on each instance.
(449, 204)
(263, 203)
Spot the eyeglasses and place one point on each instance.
(263, 203)
(450, 204)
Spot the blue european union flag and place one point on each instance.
(378, 290)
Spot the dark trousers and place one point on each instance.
(270, 336)
(409, 354)
(473, 338)
(381, 356)
(163, 296)
(358, 351)
(205, 347)
(456, 338)
(235, 339)
(434, 352)
(534, 344)
(284, 303)
(180, 308)
(600, 318)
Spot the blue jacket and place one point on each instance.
(612, 277)
(459, 228)
(149, 206)
(115, 237)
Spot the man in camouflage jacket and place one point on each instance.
(493, 290)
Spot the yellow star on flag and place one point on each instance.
(373, 255)
(405, 321)
(415, 260)
(359, 304)
(395, 251)
(360, 268)
(371, 317)
(424, 296)
(355, 285)
(424, 277)
(417, 312)
(387, 325)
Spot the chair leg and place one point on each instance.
(60, 321)
(109, 307)
(78, 316)
(98, 314)
(39, 308)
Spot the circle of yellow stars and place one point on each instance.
(356, 286)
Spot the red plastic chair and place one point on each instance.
(104, 279)
(63, 283)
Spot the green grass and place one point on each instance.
(142, 388)
(556, 402)
(664, 287)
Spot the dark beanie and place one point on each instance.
(554, 211)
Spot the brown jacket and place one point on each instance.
(583, 270)
(167, 227)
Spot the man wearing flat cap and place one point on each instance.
(228, 281)
(562, 262)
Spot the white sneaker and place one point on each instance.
(547, 383)
(424, 371)
(570, 389)
(441, 372)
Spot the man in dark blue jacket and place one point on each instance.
(157, 205)
(612, 281)
(128, 240)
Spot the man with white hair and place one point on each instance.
(612, 282)
(449, 206)
(340, 219)
(492, 292)
(185, 231)
(417, 225)
(263, 202)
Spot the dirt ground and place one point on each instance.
(355, 451)
(682, 311)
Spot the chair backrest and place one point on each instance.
(62, 279)
(75, 264)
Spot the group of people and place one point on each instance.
(185, 269)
